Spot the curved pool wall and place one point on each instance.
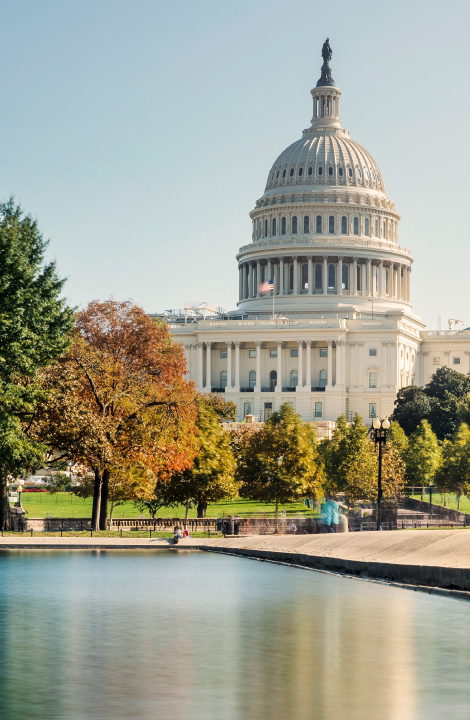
(113, 635)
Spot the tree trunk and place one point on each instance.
(104, 500)
(95, 514)
(5, 512)
(111, 515)
(186, 515)
(275, 523)
(201, 509)
(458, 503)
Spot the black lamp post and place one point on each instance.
(380, 438)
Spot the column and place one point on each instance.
(408, 284)
(310, 276)
(338, 364)
(370, 290)
(279, 366)
(339, 278)
(258, 277)
(245, 281)
(240, 282)
(258, 366)
(325, 276)
(199, 365)
(329, 371)
(300, 370)
(354, 278)
(270, 271)
(363, 274)
(229, 365)
(295, 289)
(308, 367)
(208, 366)
(237, 365)
(399, 283)
(281, 276)
(385, 378)
(250, 280)
(381, 279)
(352, 365)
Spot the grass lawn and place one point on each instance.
(450, 500)
(66, 505)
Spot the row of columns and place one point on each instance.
(372, 278)
(262, 227)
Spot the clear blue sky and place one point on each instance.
(140, 133)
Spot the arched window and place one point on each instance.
(223, 379)
(345, 278)
(366, 226)
(274, 226)
(344, 225)
(320, 171)
(306, 224)
(294, 225)
(358, 173)
(277, 174)
(310, 171)
(330, 171)
(340, 172)
(304, 277)
(272, 379)
(318, 278)
(293, 378)
(319, 230)
(356, 226)
(291, 174)
(323, 378)
(283, 226)
(301, 172)
(252, 379)
(359, 279)
(265, 228)
(331, 277)
(331, 224)
(350, 172)
(385, 231)
(283, 173)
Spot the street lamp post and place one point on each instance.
(380, 438)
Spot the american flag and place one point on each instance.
(266, 286)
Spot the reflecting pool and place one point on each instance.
(118, 635)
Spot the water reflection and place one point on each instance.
(119, 635)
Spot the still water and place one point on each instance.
(118, 635)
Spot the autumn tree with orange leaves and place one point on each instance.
(118, 400)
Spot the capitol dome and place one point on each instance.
(325, 233)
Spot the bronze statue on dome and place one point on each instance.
(326, 51)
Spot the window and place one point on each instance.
(283, 173)
(252, 353)
(291, 174)
(332, 277)
(344, 225)
(277, 174)
(320, 171)
(350, 172)
(436, 361)
(304, 276)
(340, 172)
(331, 224)
(301, 172)
(372, 352)
(274, 226)
(246, 409)
(293, 378)
(345, 277)
(223, 353)
(223, 379)
(356, 226)
(372, 379)
(456, 361)
(318, 409)
(294, 225)
(330, 171)
(265, 228)
(323, 378)
(372, 410)
(366, 226)
(319, 230)
(318, 277)
(272, 379)
(273, 353)
(252, 379)
(294, 352)
(323, 352)
(359, 279)
(310, 171)
(283, 226)
(306, 224)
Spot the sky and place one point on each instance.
(140, 133)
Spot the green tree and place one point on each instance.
(35, 326)
(453, 475)
(211, 477)
(411, 406)
(422, 456)
(280, 463)
(226, 409)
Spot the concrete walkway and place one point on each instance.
(439, 558)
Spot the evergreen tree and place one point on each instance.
(35, 326)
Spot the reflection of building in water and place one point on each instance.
(337, 333)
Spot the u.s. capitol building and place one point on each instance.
(341, 335)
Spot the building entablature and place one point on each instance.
(321, 245)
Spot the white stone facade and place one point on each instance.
(342, 336)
